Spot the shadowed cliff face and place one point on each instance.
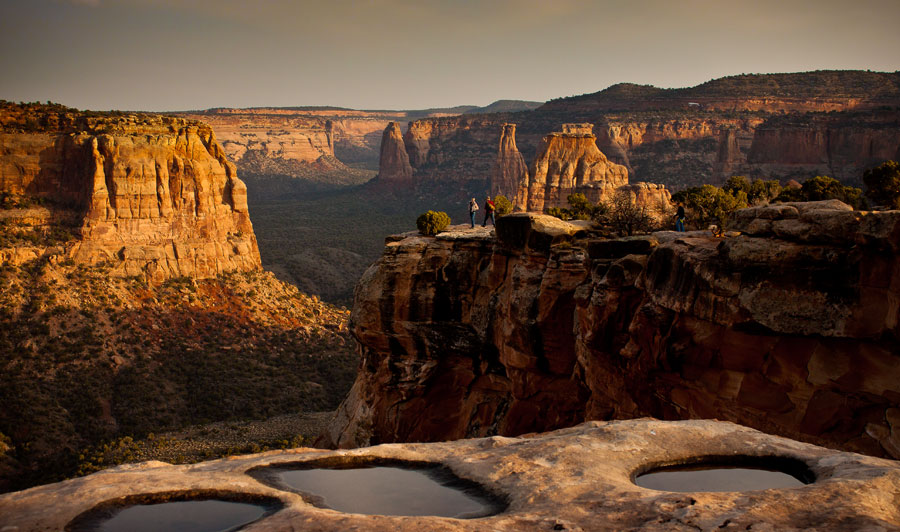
(152, 195)
(791, 328)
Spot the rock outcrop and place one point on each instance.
(394, 169)
(569, 162)
(791, 327)
(574, 479)
(784, 126)
(510, 168)
(152, 196)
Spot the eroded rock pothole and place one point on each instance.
(184, 511)
(383, 487)
(726, 473)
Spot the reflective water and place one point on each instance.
(386, 490)
(713, 478)
(184, 516)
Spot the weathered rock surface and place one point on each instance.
(510, 168)
(567, 163)
(153, 196)
(394, 168)
(572, 479)
(791, 328)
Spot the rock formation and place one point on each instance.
(567, 163)
(573, 479)
(771, 127)
(394, 168)
(791, 328)
(510, 168)
(153, 196)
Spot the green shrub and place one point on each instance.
(431, 223)
(502, 205)
(824, 188)
(883, 184)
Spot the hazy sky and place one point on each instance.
(405, 54)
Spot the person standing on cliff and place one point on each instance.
(679, 219)
(473, 206)
(488, 211)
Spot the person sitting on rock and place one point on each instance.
(473, 206)
(488, 211)
(679, 219)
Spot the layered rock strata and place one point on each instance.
(510, 168)
(569, 162)
(573, 479)
(151, 196)
(394, 168)
(791, 327)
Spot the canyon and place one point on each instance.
(133, 299)
(774, 126)
(789, 326)
(152, 196)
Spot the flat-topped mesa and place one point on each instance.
(566, 163)
(393, 166)
(150, 195)
(578, 129)
(510, 168)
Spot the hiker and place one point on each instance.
(488, 211)
(473, 206)
(679, 219)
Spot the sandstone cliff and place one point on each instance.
(569, 162)
(791, 328)
(784, 126)
(152, 196)
(510, 168)
(394, 169)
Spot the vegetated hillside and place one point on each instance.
(86, 357)
(322, 242)
(102, 333)
(506, 106)
(878, 87)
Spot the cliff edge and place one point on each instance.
(790, 328)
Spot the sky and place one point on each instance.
(171, 55)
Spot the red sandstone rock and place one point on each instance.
(156, 196)
(580, 478)
(510, 168)
(567, 163)
(791, 328)
(394, 168)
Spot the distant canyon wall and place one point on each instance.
(792, 328)
(691, 149)
(149, 195)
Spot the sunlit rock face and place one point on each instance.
(580, 478)
(567, 163)
(394, 169)
(151, 195)
(510, 168)
(790, 327)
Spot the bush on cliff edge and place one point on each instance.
(431, 223)
(883, 184)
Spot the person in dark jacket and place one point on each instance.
(488, 211)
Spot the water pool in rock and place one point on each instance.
(144, 514)
(740, 476)
(396, 489)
